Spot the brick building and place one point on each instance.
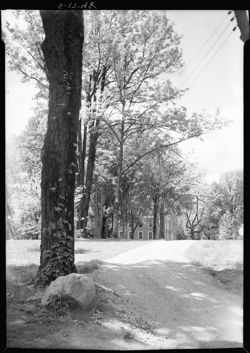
(173, 224)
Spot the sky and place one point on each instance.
(214, 84)
(220, 85)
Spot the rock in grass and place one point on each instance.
(75, 289)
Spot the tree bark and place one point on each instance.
(118, 180)
(82, 170)
(10, 228)
(79, 160)
(93, 140)
(62, 48)
(155, 213)
(162, 221)
(89, 176)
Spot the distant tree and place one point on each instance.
(23, 36)
(96, 70)
(228, 228)
(224, 211)
(194, 216)
(23, 185)
(146, 50)
(162, 175)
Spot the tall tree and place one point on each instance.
(145, 51)
(97, 54)
(141, 52)
(62, 49)
(162, 180)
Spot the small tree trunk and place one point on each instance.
(82, 178)
(93, 139)
(89, 176)
(62, 50)
(10, 229)
(162, 221)
(98, 213)
(116, 208)
(79, 160)
(132, 225)
(101, 213)
(126, 220)
(83, 153)
(155, 213)
(118, 182)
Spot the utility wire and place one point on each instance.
(204, 56)
(192, 59)
(196, 78)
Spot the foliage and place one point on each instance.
(25, 57)
(224, 211)
(24, 51)
(59, 260)
(28, 231)
(129, 104)
(23, 170)
(228, 228)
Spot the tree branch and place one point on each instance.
(32, 77)
(155, 149)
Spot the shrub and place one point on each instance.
(28, 231)
(181, 234)
(228, 228)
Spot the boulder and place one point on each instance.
(74, 289)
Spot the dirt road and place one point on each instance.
(149, 297)
(186, 306)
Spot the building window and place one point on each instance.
(140, 235)
(150, 223)
(150, 235)
(121, 234)
(141, 224)
(130, 235)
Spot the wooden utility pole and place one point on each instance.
(243, 24)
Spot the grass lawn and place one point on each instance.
(216, 254)
(223, 259)
(25, 252)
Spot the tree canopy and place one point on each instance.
(127, 160)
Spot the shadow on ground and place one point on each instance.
(151, 305)
(184, 305)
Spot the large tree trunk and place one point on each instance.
(62, 50)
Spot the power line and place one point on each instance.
(196, 78)
(191, 60)
(204, 56)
